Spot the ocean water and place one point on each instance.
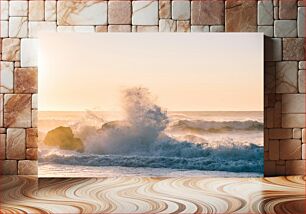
(152, 142)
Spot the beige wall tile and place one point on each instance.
(4, 29)
(293, 120)
(18, 8)
(147, 29)
(27, 167)
(101, 28)
(50, 10)
(295, 167)
(297, 133)
(2, 146)
(270, 168)
(31, 154)
(180, 10)
(293, 103)
(1, 112)
(18, 27)
(84, 12)
(31, 137)
(4, 10)
(201, 16)
(145, 13)
(241, 16)
(287, 9)
(36, 27)
(290, 149)
(301, 22)
(274, 150)
(36, 10)
(301, 81)
(265, 12)
(293, 49)
(119, 12)
(28, 54)
(167, 25)
(17, 110)
(164, 9)
(183, 26)
(199, 28)
(79, 29)
(25, 80)
(7, 77)
(280, 133)
(119, 28)
(286, 77)
(285, 28)
(8, 167)
(15, 144)
(11, 49)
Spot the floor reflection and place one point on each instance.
(148, 194)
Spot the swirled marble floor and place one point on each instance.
(22, 194)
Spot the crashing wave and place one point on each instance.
(215, 126)
(140, 140)
(185, 156)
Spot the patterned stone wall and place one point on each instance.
(281, 21)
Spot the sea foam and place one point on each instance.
(141, 140)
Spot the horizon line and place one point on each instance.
(165, 110)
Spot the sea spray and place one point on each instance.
(141, 139)
(143, 123)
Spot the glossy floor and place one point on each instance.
(152, 195)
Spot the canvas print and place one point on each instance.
(150, 104)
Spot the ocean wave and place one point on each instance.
(183, 155)
(215, 126)
(141, 140)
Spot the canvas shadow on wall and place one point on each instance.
(150, 104)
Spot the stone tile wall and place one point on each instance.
(281, 21)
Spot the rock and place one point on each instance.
(117, 124)
(63, 138)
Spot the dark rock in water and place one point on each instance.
(116, 124)
(63, 138)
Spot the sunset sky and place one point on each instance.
(185, 71)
